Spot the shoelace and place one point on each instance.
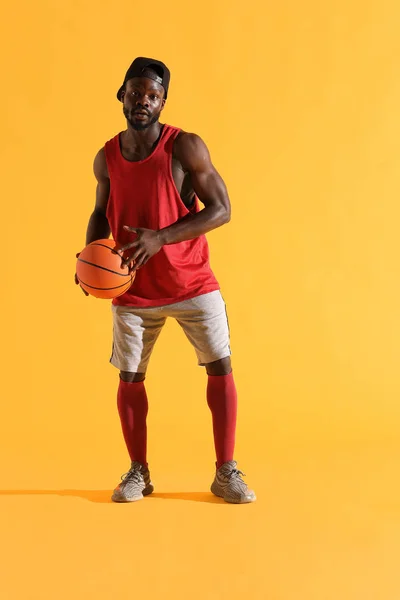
(236, 473)
(132, 475)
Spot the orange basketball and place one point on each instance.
(99, 270)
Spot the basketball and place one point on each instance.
(99, 270)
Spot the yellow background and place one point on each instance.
(299, 105)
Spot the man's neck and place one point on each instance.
(142, 139)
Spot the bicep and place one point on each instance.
(207, 182)
(209, 186)
(103, 182)
(102, 194)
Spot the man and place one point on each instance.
(149, 178)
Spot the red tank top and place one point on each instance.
(144, 194)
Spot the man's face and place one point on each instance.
(143, 101)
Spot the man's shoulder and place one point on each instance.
(187, 143)
(100, 164)
(186, 137)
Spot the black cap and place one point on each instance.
(140, 65)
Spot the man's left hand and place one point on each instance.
(147, 244)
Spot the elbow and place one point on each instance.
(222, 215)
(219, 215)
(226, 216)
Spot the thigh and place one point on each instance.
(205, 322)
(135, 331)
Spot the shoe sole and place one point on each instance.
(121, 500)
(241, 501)
(245, 500)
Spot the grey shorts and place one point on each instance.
(203, 319)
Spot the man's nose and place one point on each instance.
(142, 102)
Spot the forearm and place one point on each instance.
(194, 225)
(98, 227)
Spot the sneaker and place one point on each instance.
(229, 485)
(135, 484)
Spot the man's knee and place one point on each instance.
(129, 377)
(219, 367)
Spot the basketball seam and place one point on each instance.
(103, 268)
(104, 289)
(104, 246)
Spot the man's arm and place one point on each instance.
(208, 186)
(98, 227)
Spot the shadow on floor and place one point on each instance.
(104, 496)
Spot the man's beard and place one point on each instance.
(137, 125)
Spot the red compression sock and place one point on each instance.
(222, 400)
(133, 408)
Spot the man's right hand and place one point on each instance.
(77, 280)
